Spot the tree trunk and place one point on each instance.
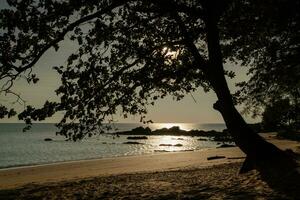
(275, 165)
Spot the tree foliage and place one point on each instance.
(124, 60)
(277, 115)
(133, 52)
(265, 37)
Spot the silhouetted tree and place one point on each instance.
(130, 54)
(264, 36)
(277, 115)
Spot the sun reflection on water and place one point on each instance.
(172, 143)
(168, 140)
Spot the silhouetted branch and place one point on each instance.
(201, 62)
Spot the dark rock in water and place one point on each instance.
(178, 145)
(141, 130)
(170, 145)
(215, 157)
(48, 139)
(104, 142)
(136, 131)
(137, 138)
(161, 151)
(222, 137)
(202, 139)
(165, 145)
(177, 139)
(175, 130)
(132, 143)
(226, 145)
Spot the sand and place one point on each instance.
(17, 177)
(184, 175)
(218, 182)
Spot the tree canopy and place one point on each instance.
(133, 52)
(267, 42)
(277, 115)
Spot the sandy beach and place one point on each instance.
(183, 175)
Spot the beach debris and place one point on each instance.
(242, 157)
(215, 157)
(48, 139)
(226, 145)
(137, 138)
(129, 142)
(163, 151)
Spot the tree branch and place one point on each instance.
(69, 28)
(200, 61)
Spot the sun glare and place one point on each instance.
(170, 125)
(167, 139)
(182, 126)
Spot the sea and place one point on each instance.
(18, 148)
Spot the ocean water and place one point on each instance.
(29, 148)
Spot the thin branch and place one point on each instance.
(171, 6)
(193, 97)
(69, 28)
(201, 62)
(19, 99)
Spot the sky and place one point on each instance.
(166, 110)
